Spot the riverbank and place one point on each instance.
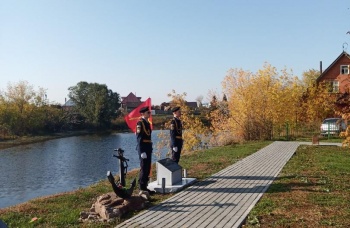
(62, 210)
(41, 138)
(120, 126)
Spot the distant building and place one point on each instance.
(207, 105)
(337, 74)
(130, 102)
(166, 106)
(192, 105)
(76, 120)
(68, 105)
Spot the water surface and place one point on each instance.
(61, 165)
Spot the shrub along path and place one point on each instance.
(226, 198)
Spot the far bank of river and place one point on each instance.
(24, 140)
(158, 122)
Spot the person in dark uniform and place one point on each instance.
(144, 147)
(176, 135)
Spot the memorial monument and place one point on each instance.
(169, 177)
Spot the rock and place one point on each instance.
(92, 217)
(134, 203)
(109, 206)
(92, 209)
(84, 215)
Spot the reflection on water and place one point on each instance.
(61, 165)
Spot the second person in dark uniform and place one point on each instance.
(176, 135)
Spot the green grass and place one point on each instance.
(63, 210)
(312, 190)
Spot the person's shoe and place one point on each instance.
(150, 191)
(143, 187)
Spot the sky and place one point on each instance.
(153, 47)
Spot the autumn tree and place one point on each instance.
(9, 119)
(317, 102)
(217, 118)
(194, 132)
(224, 98)
(343, 109)
(213, 101)
(23, 110)
(20, 95)
(20, 99)
(257, 102)
(309, 78)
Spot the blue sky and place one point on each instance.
(153, 47)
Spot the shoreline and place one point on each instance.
(8, 143)
(24, 140)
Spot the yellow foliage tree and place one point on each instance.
(317, 102)
(218, 117)
(194, 132)
(343, 110)
(24, 110)
(257, 103)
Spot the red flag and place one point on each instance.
(134, 116)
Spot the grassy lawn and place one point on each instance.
(313, 190)
(63, 210)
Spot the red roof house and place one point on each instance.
(338, 74)
(130, 102)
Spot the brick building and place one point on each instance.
(338, 74)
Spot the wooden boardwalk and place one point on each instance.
(223, 200)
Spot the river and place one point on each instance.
(62, 165)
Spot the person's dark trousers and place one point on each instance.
(176, 155)
(145, 168)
